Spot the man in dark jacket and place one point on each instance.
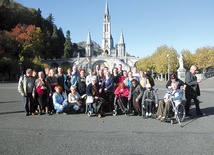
(192, 90)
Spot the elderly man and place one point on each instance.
(192, 90)
(174, 94)
(25, 88)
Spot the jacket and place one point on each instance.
(192, 89)
(22, 86)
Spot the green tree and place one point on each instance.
(68, 51)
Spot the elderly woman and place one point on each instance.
(98, 102)
(74, 99)
(121, 93)
(42, 90)
(60, 101)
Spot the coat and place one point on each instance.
(192, 89)
(121, 92)
(136, 91)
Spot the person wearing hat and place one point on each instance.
(149, 101)
(135, 94)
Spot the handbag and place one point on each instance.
(89, 100)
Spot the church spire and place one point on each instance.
(121, 46)
(88, 48)
(89, 38)
(107, 40)
(107, 10)
(121, 38)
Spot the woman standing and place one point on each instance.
(41, 90)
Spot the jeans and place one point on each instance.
(61, 109)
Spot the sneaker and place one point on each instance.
(147, 113)
(65, 113)
(150, 114)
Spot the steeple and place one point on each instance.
(121, 38)
(89, 38)
(121, 46)
(89, 48)
(106, 10)
(107, 40)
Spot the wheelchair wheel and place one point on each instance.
(114, 112)
(181, 112)
(89, 113)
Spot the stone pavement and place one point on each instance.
(80, 134)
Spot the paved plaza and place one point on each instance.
(122, 135)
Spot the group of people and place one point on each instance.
(99, 90)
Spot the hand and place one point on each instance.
(105, 90)
(22, 94)
(100, 91)
(136, 100)
(96, 97)
(199, 81)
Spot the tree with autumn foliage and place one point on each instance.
(204, 58)
(30, 40)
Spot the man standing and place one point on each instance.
(25, 88)
(192, 90)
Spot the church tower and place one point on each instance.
(121, 46)
(107, 40)
(88, 48)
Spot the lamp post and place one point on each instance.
(20, 67)
(168, 66)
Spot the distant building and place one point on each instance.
(107, 39)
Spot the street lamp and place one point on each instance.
(20, 67)
(168, 66)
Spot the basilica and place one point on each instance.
(107, 39)
(109, 55)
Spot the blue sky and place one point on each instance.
(146, 24)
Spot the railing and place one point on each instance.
(209, 74)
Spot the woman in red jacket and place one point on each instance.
(121, 94)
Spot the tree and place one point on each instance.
(68, 51)
(160, 59)
(188, 58)
(204, 58)
(30, 39)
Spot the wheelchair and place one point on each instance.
(96, 107)
(179, 113)
(117, 107)
(153, 109)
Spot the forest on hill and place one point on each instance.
(26, 37)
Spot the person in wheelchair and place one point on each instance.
(97, 104)
(149, 101)
(121, 96)
(175, 95)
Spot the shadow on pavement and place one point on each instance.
(2, 102)
(11, 112)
